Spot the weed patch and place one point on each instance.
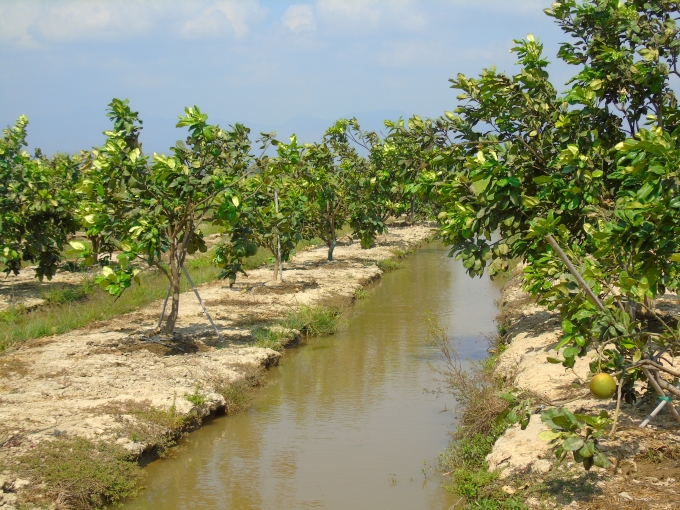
(360, 294)
(390, 264)
(482, 422)
(238, 395)
(197, 398)
(143, 423)
(465, 459)
(81, 474)
(275, 337)
(317, 320)
(11, 314)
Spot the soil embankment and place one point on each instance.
(645, 462)
(64, 386)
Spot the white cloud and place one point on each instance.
(32, 23)
(411, 53)
(29, 23)
(299, 18)
(225, 17)
(353, 16)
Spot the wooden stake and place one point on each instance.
(165, 304)
(574, 272)
(278, 240)
(205, 310)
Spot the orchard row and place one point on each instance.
(581, 185)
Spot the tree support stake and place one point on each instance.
(663, 396)
(579, 279)
(165, 304)
(205, 310)
(279, 267)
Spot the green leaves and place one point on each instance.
(518, 410)
(576, 434)
(573, 443)
(595, 167)
(37, 203)
(151, 210)
(116, 281)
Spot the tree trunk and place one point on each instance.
(175, 288)
(276, 269)
(413, 208)
(333, 241)
(96, 242)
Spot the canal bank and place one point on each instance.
(506, 468)
(114, 384)
(346, 421)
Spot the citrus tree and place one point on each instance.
(343, 187)
(580, 185)
(407, 176)
(272, 215)
(101, 228)
(326, 182)
(37, 204)
(367, 179)
(158, 205)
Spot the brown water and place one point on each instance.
(344, 421)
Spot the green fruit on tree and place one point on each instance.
(603, 386)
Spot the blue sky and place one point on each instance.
(273, 65)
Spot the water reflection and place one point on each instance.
(344, 421)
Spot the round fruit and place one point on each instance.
(603, 386)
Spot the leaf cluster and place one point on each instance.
(576, 433)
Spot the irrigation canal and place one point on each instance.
(344, 421)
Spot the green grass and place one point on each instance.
(74, 307)
(141, 422)
(70, 294)
(308, 243)
(275, 338)
(318, 320)
(197, 398)
(80, 473)
(360, 294)
(263, 257)
(389, 264)
(208, 228)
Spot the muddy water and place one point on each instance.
(344, 422)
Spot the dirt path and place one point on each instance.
(645, 462)
(57, 385)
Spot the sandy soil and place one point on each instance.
(645, 462)
(53, 386)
